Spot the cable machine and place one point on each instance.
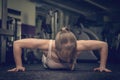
(10, 31)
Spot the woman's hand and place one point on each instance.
(17, 69)
(101, 69)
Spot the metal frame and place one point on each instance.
(4, 25)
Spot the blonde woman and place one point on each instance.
(62, 52)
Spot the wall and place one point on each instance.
(27, 9)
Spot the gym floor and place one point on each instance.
(83, 71)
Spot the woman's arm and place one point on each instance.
(26, 43)
(93, 45)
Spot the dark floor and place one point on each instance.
(83, 71)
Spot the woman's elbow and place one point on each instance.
(104, 44)
(16, 43)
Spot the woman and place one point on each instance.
(61, 52)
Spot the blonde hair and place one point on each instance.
(65, 43)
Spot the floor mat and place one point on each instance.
(83, 71)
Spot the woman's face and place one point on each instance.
(65, 44)
(67, 52)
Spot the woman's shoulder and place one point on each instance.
(81, 41)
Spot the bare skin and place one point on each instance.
(43, 45)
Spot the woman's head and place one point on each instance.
(65, 43)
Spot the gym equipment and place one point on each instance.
(118, 42)
(9, 53)
(86, 55)
(47, 27)
(10, 31)
(32, 56)
(92, 36)
(51, 24)
(86, 34)
(2, 37)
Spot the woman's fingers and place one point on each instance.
(102, 69)
(17, 69)
(11, 70)
(107, 70)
